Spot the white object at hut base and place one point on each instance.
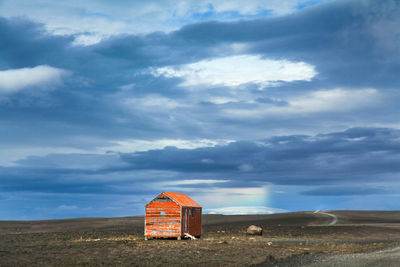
(190, 236)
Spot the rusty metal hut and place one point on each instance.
(172, 215)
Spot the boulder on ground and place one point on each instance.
(254, 230)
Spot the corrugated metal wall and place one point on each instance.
(163, 219)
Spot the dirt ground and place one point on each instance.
(287, 237)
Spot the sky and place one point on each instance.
(263, 107)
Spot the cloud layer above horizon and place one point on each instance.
(278, 105)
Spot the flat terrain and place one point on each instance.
(289, 239)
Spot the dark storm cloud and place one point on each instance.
(111, 96)
(345, 40)
(26, 44)
(345, 191)
(358, 155)
(348, 41)
(67, 181)
(87, 103)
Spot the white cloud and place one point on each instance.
(132, 145)
(94, 19)
(337, 100)
(10, 155)
(14, 80)
(246, 167)
(196, 181)
(278, 7)
(216, 197)
(222, 100)
(237, 70)
(67, 207)
(244, 210)
(152, 102)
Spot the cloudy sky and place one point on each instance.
(268, 106)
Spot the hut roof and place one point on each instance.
(182, 199)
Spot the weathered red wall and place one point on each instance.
(193, 223)
(168, 225)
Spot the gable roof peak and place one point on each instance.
(182, 199)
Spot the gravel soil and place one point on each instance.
(289, 239)
(381, 258)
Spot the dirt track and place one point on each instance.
(287, 239)
(381, 258)
(385, 258)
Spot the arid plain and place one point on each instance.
(297, 238)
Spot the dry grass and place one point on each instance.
(119, 241)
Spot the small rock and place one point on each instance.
(254, 230)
